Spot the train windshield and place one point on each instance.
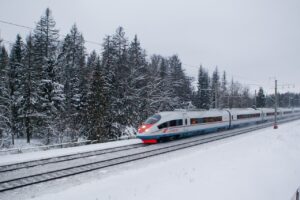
(153, 119)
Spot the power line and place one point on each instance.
(30, 28)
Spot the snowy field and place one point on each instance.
(262, 165)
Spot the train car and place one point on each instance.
(245, 117)
(183, 123)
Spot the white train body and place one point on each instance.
(183, 123)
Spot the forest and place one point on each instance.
(52, 89)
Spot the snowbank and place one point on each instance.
(16, 158)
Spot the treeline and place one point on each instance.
(54, 90)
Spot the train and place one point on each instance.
(169, 125)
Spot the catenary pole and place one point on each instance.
(276, 104)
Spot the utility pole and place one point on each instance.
(216, 96)
(276, 104)
(255, 103)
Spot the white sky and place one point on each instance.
(253, 40)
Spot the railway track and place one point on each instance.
(63, 158)
(153, 150)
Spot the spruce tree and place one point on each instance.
(223, 100)
(72, 64)
(14, 86)
(97, 123)
(5, 122)
(215, 88)
(50, 91)
(260, 99)
(29, 86)
(202, 99)
(137, 80)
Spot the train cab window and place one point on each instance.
(153, 119)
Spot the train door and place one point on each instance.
(186, 122)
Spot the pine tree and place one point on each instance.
(97, 123)
(50, 91)
(223, 100)
(215, 88)
(202, 99)
(260, 99)
(72, 64)
(136, 89)
(29, 85)
(5, 122)
(14, 86)
(180, 83)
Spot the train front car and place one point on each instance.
(163, 125)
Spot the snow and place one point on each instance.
(16, 158)
(261, 165)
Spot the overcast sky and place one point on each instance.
(253, 40)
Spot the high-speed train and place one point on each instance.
(184, 123)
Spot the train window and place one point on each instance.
(212, 119)
(246, 116)
(287, 112)
(205, 120)
(177, 122)
(153, 119)
(173, 123)
(163, 125)
(196, 120)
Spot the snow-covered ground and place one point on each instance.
(262, 165)
(16, 158)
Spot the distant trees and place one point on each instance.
(260, 99)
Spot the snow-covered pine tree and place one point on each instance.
(14, 86)
(202, 99)
(235, 96)
(260, 99)
(72, 64)
(223, 100)
(108, 63)
(97, 104)
(121, 71)
(29, 85)
(50, 91)
(5, 123)
(246, 100)
(156, 93)
(215, 88)
(137, 80)
(180, 83)
(166, 101)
